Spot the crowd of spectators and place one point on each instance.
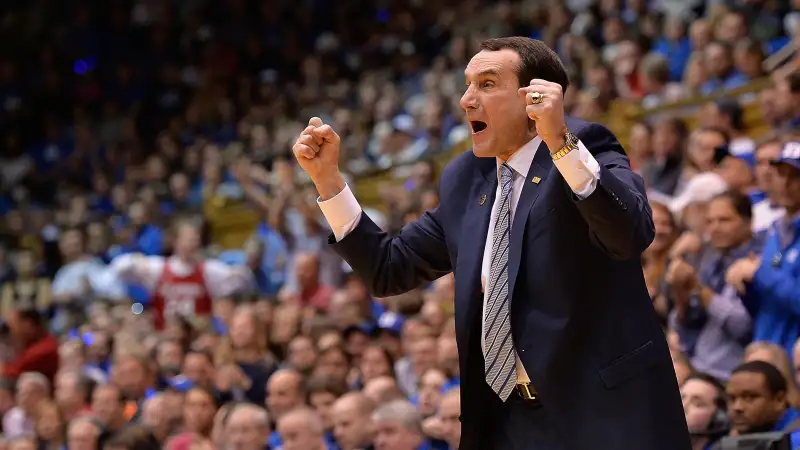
(141, 137)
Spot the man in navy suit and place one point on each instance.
(543, 223)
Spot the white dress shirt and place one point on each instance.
(579, 169)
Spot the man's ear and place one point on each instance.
(781, 401)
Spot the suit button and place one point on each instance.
(624, 207)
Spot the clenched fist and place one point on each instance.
(317, 151)
(549, 114)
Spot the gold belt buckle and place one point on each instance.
(526, 391)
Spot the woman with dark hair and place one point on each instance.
(376, 362)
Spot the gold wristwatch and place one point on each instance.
(570, 144)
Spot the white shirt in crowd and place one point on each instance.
(579, 168)
(221, 279)
(17, 424)
(75, 278)
(765, 214)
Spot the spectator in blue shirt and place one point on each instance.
(771, 283)
(675, 46)
(757, 400)
(718, 59)
(143, 237)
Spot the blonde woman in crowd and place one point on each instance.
(244, 356)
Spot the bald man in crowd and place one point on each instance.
(284, 393)
(247, 427)
(83, 434)
(352, 421)
(383, 390)
(302, 429)
(154, 416)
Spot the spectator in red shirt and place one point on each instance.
(312, 292)
(36, 349)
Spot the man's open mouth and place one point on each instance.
(477, 126)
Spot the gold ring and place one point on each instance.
(535, 98)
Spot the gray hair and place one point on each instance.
(74, 423)
(34, 378)
(400, 411)
(260, 414)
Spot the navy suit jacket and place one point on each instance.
(582, 320)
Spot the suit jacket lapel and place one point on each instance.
(540, 167)
(468, 292)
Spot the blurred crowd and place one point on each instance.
(165, 280)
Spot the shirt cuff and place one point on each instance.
(342, 212)
(580, 170)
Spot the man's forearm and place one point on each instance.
(330, 186)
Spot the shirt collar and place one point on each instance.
(522, 159)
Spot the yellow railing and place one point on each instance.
(620, 118)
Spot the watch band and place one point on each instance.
(570, 145)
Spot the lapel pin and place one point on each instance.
(536, 180)
(482, 200)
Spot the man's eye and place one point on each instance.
(488, 84)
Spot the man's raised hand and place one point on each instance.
(317, 152)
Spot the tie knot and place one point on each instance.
(506, 173)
